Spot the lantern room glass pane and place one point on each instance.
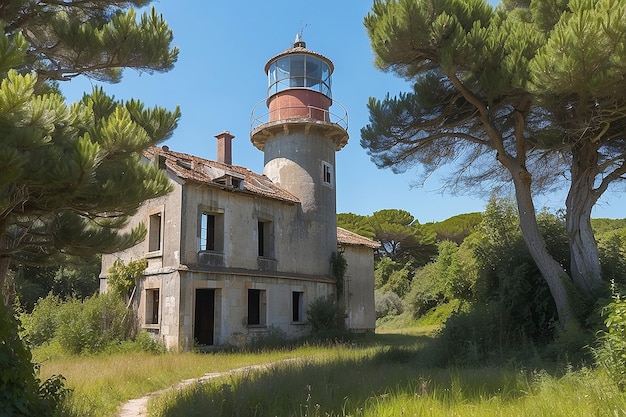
(296, 66)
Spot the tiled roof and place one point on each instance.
(215, 174)
(347, 237)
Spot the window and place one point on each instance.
(264, 236)
(297, 306)
(211, 231)
(256, 307)
(154, 232)
(152, 306)
(296, 70)
(207, 232)
(327, 173)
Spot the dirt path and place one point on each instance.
(139, 407)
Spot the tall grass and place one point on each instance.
(386, 382)
(101, 383)
(388, 374)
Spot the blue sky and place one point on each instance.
(219, 78)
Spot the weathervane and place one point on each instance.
(299, 41)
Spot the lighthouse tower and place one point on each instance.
(299, 137)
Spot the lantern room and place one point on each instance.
(298, 98)
(299, 68)
(299, 84)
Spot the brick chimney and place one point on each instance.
(224, 147)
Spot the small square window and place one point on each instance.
(327, 173)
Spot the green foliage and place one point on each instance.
(18, 383)
(74, 278)
(456, 228)
(123, 278)
(601, 226)
(611, 353)
(97, 40)
(612, 252)
(72, 173)
(21, 391)
(144, 342)
(387, 304)
(500, 96)
(41, 324)
(356, 223)
(384, 268)
(399, 281)
(339, 265)
(91, 325)
(326, 316)
(401, 236)
(427, 290)
(508, 275)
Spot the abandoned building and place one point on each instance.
(233, 254)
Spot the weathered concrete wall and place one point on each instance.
(231, 305)
(359, 288)
(169, 256)
(295, 162)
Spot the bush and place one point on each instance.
(388, 304)
(273, 337)
(611, 353)
(325, 316)
(20, 392)
(426, 291)
(41, 325)
(91, 325)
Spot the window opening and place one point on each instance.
(297, 306)
(327, 173)
(256, 307)
(207, 232)
(261, 238)
(152, 306)
(154, 240)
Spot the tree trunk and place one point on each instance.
(5, 287)
(555, 276)
(584, 259)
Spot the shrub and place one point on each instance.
(41, 325)
(611, 353)
(388, 304)
(426, 291)
(90, 325)
(325, 315)
(273, 337)
(20, 392)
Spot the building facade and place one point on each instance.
(233, 254)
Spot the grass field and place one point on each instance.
(378, 375)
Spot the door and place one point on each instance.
(204, 322)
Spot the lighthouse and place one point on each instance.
(299, 135)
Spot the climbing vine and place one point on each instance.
(123, 277)
(339, 265)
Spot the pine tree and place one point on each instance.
(529, 93)
(71, 174)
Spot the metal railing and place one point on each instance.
(261, 115)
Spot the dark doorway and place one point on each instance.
(204, 316)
